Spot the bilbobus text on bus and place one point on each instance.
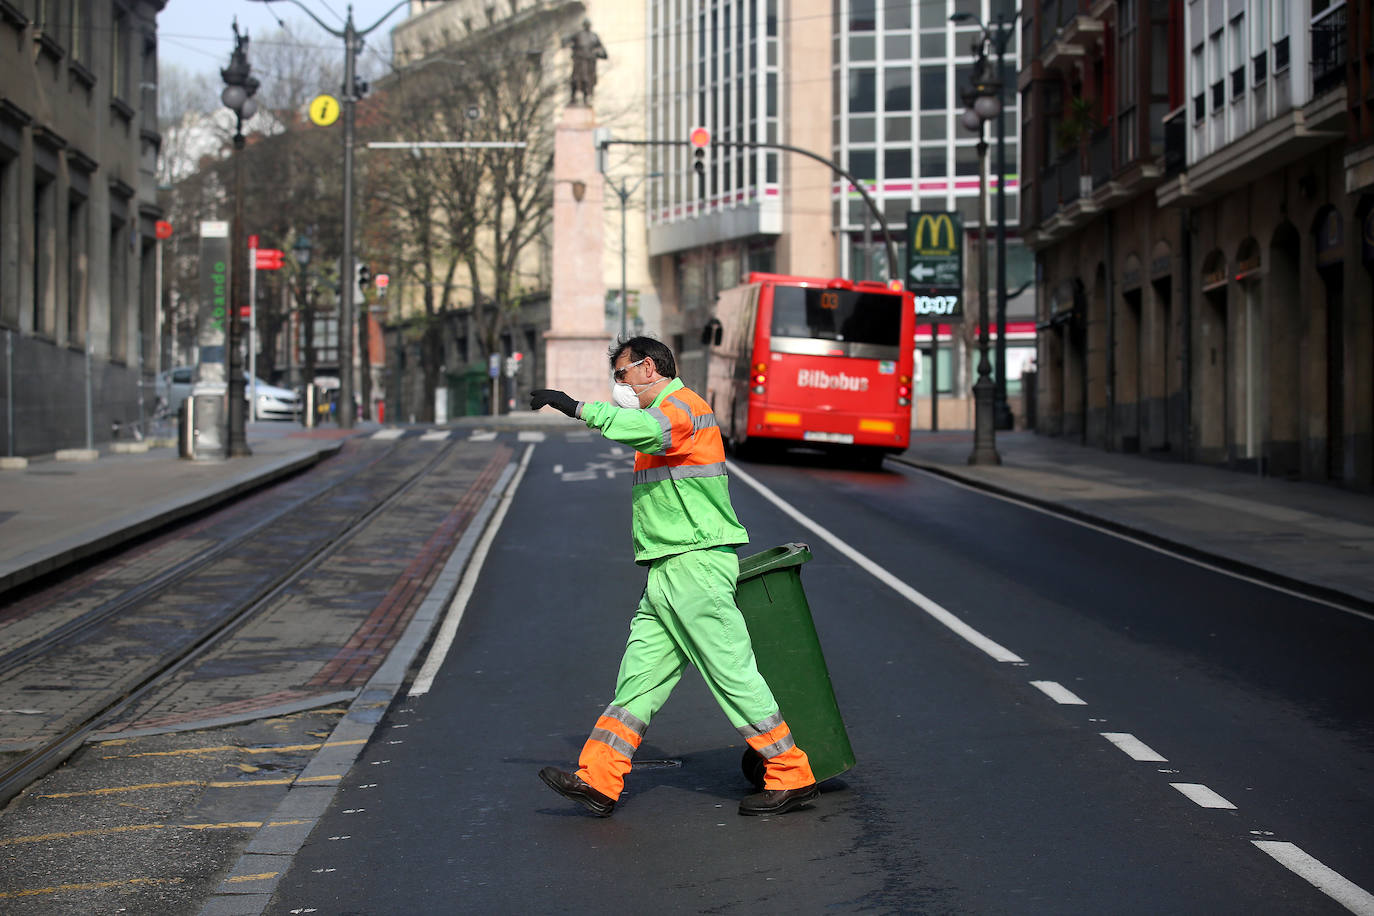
(806, 360)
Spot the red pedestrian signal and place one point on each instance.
(700, 137)
(269, 259)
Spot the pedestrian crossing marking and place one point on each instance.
(531, 436)
(482, 435)
(435, 435)
(388, 434)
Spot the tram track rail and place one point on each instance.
(34, 762)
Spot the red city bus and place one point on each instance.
(813, 361)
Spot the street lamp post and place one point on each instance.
(997, 36)
(302, 249)
(353, 39)
(239, 88)
(624, 196)
(984, 429)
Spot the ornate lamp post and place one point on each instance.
(980, 104)
(239, 87)
(997, 37)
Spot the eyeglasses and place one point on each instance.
(619, 374)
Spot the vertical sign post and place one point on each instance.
(935, 273)
(211, 380)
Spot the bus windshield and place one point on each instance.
(844, 315)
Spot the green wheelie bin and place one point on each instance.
(788, 653)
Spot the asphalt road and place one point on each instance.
(982, 785)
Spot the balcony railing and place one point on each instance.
(1328, 50)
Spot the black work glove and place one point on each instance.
(554, 398)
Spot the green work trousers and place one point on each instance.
(688, 615)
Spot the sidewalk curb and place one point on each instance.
(49, 558)
(1229, 564)
(268, 856)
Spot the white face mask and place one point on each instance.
(624, 396)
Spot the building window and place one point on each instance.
(77, 261)
(863, 94)
(1216, 71)
(933, 88)
(1280, 39)
(1238, 56)
(1127, 82)
(1259, 40)
(44, 243)
(1199, 85)
(896, 162)
(862, 16)
(897, 89)
(119, 276)
(863, 164)
(120, 49)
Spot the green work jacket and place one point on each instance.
(681, 494)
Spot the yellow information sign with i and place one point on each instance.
(324, 110)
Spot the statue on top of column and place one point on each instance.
(586, 50)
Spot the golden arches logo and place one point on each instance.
(929, 228)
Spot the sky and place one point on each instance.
(198, 35)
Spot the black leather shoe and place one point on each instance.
(778, 801)
(570, 785)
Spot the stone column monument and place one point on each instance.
(576, 342)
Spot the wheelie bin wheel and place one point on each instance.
(752, 764)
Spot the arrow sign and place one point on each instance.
(268, 259)
(921, 272)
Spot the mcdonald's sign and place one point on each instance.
(935, 251)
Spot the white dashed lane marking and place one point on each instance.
(1134, 748)
(1203, 796)
(1059, 693)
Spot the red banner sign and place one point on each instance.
(268, 259)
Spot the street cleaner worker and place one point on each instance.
(685, 531)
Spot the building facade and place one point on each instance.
(879, 92)
(1205, 285)
(78, 152)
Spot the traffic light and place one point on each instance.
(364, 277)
(700, 138)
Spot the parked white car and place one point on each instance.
(274, 403)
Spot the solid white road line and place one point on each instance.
(1202, 795)
(388, 434)
(998, 652)
(1059, 693)
(1136, 749)
(1157, 548)
(1345, 892)
(454, 615)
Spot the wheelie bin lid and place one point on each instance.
(773, 559)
